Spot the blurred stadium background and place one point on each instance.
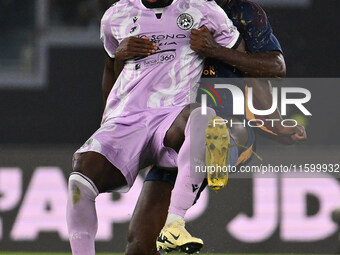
(51, 62)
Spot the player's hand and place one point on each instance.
(202, 42)
(292, 135)
(132, 47)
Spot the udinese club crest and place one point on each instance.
(185, 21)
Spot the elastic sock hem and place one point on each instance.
(76, 176)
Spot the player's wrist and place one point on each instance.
(286, 131)
(119, 56)
(216, 52)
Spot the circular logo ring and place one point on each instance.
(185, 21)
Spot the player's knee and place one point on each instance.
(239, 132)
(210, 112)
(93, 166)
(200, 118)
(196, 109)
(203, 114)
(100, 171)
(82, 164)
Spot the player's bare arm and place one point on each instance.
(264, 64)
(112, 69)
(262, 92)
(132, 47)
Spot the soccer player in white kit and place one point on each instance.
(147, 114)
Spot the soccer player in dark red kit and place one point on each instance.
(263, 59)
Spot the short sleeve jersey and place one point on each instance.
(168, 77)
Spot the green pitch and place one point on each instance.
(28, 253)
(40, 253)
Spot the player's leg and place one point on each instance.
(186, 186)
(189, 123)
(148, 218)
(239, 133)
(151, 211)
(153, 203)
(93, 174)
(149, 201)
(102, 164)
(174, 223)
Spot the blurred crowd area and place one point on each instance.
(15, 14)
(20, 28)
(77, 12)
(16, 31)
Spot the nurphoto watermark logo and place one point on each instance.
(239, 104)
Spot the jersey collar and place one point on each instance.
(144, 7)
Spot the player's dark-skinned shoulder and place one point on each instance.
(252, 22)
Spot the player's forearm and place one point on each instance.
(107, 84)
(263, 100)
(112, 69)
(266, 64)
